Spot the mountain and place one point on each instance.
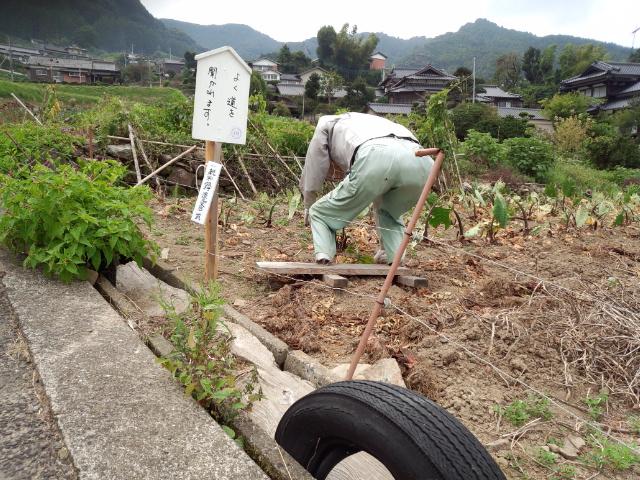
(249, 43)
(483, 39)
(110, 25)
(487, 41)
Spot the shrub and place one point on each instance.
(27, 142)
(281, 110)
(571, 134)
(565, 105)
(68, 217)
(607, 151)
(531, 156)
(484, 118)
(481, 147)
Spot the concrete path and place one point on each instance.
(120, 413)
(31, 447)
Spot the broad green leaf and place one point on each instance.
(619, 220)
(582, 215)
(476, 230)
(229, 431)
(294, 202)
(440, 216)
(500, 211)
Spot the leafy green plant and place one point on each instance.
(202, 360)
(546, 457)
(611, 454)
(596, 405)
(67, 218)
(482, 147)
(564, 472)
(520, 412)
(531, 156)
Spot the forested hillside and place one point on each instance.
(111, 25)
(487, 41)
(483, 39)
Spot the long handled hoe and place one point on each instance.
(377, 307)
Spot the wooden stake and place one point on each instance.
(379, 303)
(246, 173)
(135, 155)
(212, 153)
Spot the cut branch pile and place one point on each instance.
(600, 337)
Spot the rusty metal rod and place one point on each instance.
(375, 313)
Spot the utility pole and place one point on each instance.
(474, 79)
(633, 42)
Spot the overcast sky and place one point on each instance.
(296, 20)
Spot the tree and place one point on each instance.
(257, 84)
(547, 61)
(465, 80)
(358, 95)
(326, 42)
(508, 70)
(531, 66)
(312, 87)
(574, 60)
(346, 51)
(635, 56)
(565, 105)
(86, 36)
(330, 82)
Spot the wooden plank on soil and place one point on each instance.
(411, 281)
(345, 269)
(335, 281)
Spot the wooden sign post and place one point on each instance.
(221, 105)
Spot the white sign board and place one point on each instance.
(207, 192)
(221, 100)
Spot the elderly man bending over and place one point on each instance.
(379, 158)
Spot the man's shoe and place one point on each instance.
(322, 259)
(380, 257)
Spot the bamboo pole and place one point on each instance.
(295, 177)
(173, 160)
(135, 154)
(27, 109)
(377, 308)
(146, 161)
(246, 173)
(224, 167)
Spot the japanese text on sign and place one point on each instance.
(207, 191)
(221, 100)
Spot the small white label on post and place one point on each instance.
(207, 191)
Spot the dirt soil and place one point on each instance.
(475, 315)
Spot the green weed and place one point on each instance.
(611, 454)
(596, 405)
(202, 359)
(546, 457)
(520, 412)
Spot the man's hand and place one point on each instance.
(306, 217)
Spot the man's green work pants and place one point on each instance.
(385, 170)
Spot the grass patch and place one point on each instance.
(584, 177)
(86, 94)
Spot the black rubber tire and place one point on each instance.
(410, 435)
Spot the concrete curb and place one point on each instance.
(308, 368)
(276, 346)
(300, 364)
(263, 449)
